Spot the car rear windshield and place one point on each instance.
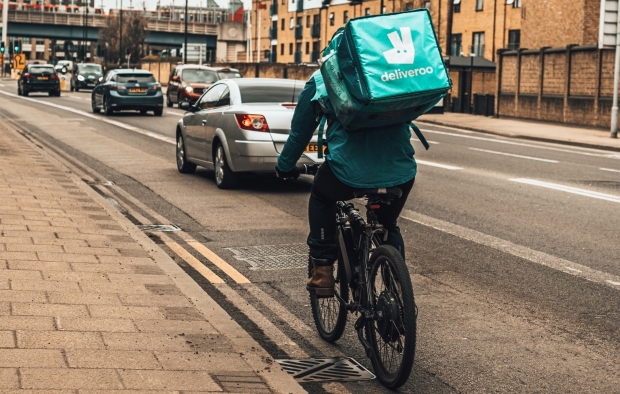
(270, 94)
(42, 70)
(90, 68)
(124, 78)
(199, 76)
(228, 74)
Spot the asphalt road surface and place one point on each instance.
(513, 247)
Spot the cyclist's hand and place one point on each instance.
(288, 175)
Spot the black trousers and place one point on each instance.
(326, 190)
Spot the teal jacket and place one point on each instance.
(361, 159)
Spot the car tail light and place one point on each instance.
(289, 105)
(155, 88)
(117, 87)
(252, 122)
(53, 76)
(27, 75)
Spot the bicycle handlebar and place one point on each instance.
(308, 169)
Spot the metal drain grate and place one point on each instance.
(102, 183)
(273, 257)
(326, 370)
(159, 227)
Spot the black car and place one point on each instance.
(38, 78)
(127, 89)
(86, 75)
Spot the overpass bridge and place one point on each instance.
(66, 26)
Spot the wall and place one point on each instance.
(571, 85)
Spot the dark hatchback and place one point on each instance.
(127, 89)
(38, 78)
(86, 75)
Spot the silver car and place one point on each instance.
(239, 125)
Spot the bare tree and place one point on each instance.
(134, 35)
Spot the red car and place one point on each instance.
(188, 82)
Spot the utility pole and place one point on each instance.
(185, 38)
(120, 36)
(258, 35)
(614, 107)
(5, 29)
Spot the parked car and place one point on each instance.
(238, 125)
(128, 89)
(38, 78)
(86, 75)
(226, 73)
(188, 82)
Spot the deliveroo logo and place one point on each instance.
(403, 51)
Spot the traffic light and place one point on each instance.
(2, 47)
(17, 46)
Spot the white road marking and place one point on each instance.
(609, 169)
(430, 142)
(522, 252)
(510, 154)
(100, 118)
(433, 164)
(175, 113)
(499, 141)
(569, 189)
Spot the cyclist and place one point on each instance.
(369, 158)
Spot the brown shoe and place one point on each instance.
(322, 281)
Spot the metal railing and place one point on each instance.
(314, 56)
(299, 32)
(273, 33)
(316, 30)
(273, 9)
(300, 5)
(298, 57)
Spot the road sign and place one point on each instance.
(19, 61)
(608, 23)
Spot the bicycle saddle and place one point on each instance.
(392, 192)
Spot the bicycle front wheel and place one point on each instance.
(330, 314)
(393, 334)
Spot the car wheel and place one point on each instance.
(158, 112)
(58, 93)
(51, 93)
(179, 101)
(184, 166)
(72, 88)
(77, 89)
(19, 90)
(225, 178)
(168, 101)
(25, 93)
(106, 107)
(96, 110)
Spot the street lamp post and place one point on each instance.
(120, 36)
(185, 38)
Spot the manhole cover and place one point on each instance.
(159, 227)
(273, 257)
(102, 183)
(326, 369)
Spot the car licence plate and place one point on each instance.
(43, 78)
(137, 90)
(314, 147)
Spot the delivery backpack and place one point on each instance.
(382, 70)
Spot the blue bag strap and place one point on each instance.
(320, 137)
(419, 134)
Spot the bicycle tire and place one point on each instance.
(395, 329)
(330, 306)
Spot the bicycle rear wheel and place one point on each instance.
(393, 335)
(330, 314)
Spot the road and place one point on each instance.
(513, 247)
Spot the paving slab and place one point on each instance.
(89, 304)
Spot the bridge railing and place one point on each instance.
(50, 18)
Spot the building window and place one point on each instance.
(26, 41)
(300, 21)
(282, 24)
(456, 6)
(345, 16)
(408, 6)
(331, 19)
(479, 5)
(307, 48)
(290, 48)
(308, 21)
(514, 39)
(516, 4)
(267, 54)
(316, 19)
(367, 11)
(40, 41)
(298, 48)
(281, 49)
(292, 24)
(427, 5)
(456, 45)
(477, 48)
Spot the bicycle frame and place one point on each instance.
(358, 235)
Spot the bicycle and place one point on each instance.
(381, 290)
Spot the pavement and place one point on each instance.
(524, 129)
(89, 304)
